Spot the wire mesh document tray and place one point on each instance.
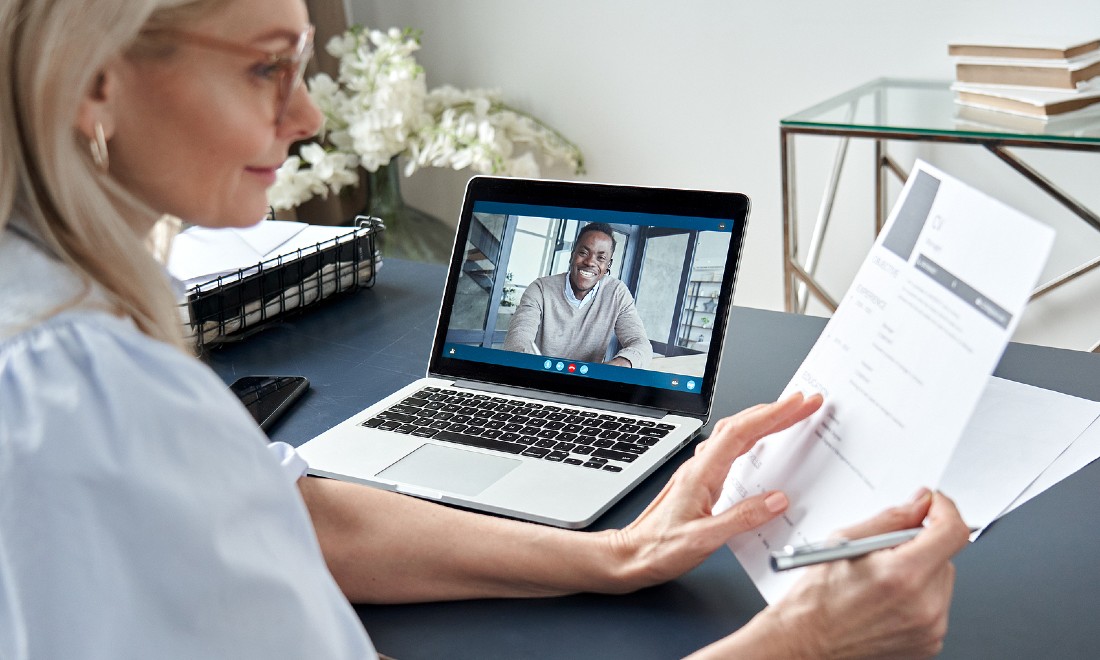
(233, 306)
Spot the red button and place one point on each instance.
(572, 367)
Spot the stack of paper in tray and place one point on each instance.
(1031, 78)
(238, 279)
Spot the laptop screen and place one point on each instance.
(614, 293)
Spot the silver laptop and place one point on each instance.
(577, 349)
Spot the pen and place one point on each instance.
(818, 553)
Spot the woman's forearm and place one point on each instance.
(388, 547)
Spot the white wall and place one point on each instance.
(690, 92)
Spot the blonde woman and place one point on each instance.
(142, 513)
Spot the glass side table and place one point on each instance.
(924, 111)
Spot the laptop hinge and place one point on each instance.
(625, 408)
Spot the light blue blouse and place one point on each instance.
(142, 514)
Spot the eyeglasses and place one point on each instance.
(287, 70)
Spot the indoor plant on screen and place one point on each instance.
(379, 108)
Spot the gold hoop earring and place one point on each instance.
(98, 147)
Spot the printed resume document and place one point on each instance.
(901, 364)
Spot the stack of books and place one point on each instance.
(1033, 79)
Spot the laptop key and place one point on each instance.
(536, 452)
(557, 456)
(614, 455)
(475, 441)
(612, 468)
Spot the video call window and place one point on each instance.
(674, 275)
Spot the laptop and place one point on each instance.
(543, 430)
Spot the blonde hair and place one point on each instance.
(51, 52)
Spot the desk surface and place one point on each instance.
(1028, 588)
(927, 109)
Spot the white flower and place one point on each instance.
(379, 107)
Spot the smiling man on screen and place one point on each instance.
(574, 314)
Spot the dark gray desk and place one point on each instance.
(1029, 588)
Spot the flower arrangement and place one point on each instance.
(379, 107)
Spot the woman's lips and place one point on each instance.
(266, 174)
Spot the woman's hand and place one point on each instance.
(677, 531)
(890, 603)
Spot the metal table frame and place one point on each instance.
(799, 277)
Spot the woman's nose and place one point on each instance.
(303, 118)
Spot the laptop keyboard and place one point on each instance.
(585, 438)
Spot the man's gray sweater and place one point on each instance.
(544, 319)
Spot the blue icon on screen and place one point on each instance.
(584, 369)
(559, 366)
(691, 384)
(547, 364)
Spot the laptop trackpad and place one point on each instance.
(448, 469)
